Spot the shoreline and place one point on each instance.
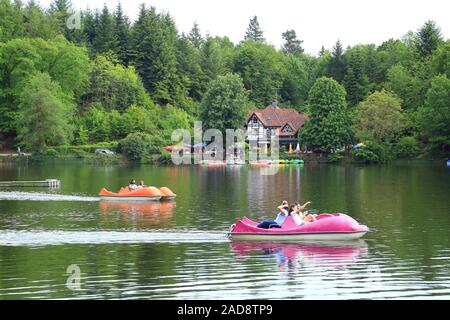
(154, 160)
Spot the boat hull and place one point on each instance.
(333, 236)
(130, 198)
(140, 195)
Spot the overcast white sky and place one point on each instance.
(317, 22)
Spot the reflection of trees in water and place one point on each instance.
(265, 191)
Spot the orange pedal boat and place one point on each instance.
(167, 194)
(141, 194)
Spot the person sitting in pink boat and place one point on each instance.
(301, 217)
(283, 212)
(295, 214)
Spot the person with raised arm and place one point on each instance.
(283, 212)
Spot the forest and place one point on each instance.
(116, 82)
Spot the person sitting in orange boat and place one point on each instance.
(283, 212)
(132, 186)
(142, 185)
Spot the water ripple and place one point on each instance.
(40, 196)
(42, 238)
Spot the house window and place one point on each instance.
(287, 128)
(254, 120)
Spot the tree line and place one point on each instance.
(112, 78)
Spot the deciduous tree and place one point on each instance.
(329, 126)
(45, 114)
(225, 104)
(381, 115)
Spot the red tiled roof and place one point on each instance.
(279, 117)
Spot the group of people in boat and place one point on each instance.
(295, 210)
(133, 186)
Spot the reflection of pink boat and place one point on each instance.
(323, 254)
(215, 163)
(260, 163)
(335, 226)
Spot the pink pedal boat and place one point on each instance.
(328, 226)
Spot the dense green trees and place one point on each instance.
(329, 127)
(406, 86)
(261, 69)
(381, 116)
(121, 77)
(21, 58)
(356, 79)
(122, 32)
(440, 62)
(294, 90)
(434, 115)
(225, 104)
(44, 115)
(114, 86)
(154, 41)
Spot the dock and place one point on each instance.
(48, 183)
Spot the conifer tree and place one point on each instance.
(153, 51)
(336, 66)
(292, 45)
(122, 30)
(61, 11)
(428, 38)
(254, 31)
(105, 36)
(195, 37)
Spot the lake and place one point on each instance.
(179, 250)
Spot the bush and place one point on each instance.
(373, 152)
(51, 152)
(165, 157)
(407, 147)
(335, 157)
(364, 155)
(97, 122)
(156, 144)
(135, 146)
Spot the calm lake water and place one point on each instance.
(179, 250)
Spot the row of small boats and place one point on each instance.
(262, 162)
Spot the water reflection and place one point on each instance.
(151, 213)
(301, 255)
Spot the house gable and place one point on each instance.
(287, 128)
(286, 121)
